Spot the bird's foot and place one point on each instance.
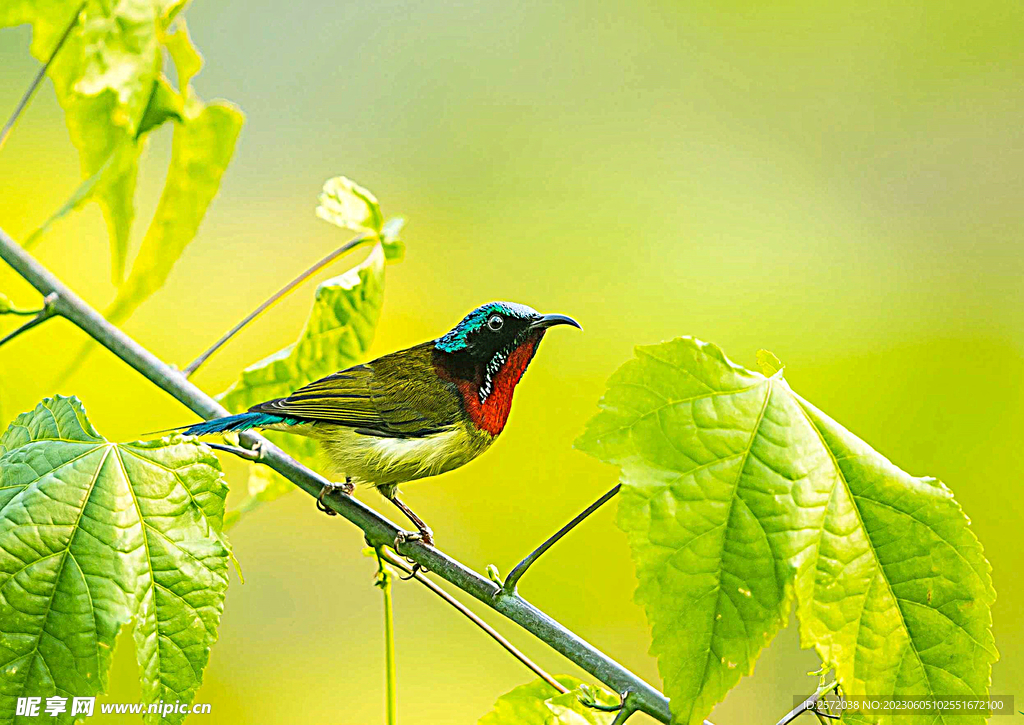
(346, 488)
(425, 536)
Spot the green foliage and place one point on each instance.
(109, 80)
(537, 703)
(346, 204)
(739, 496)
(94, 534)
(201, 150)
(337, 334)
(350, 206)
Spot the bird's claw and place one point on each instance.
(404, 537)
(424, 536)
(346, 488)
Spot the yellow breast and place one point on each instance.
(390, 461)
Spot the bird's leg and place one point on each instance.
(346, 488)
(423, 534)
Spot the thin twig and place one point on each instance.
(810, 704)
(37, 81)
(491, 632)
(391, 672)
(194, 365)
(40, 317)
(378, 530)
(21, 313)
(254, 454)
(509, 587)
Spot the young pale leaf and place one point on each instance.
(337, 335)
(538, 703)
(739, 496)
(350, 206)
(93, 534)
(200, 151)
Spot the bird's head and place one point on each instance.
(488, 352)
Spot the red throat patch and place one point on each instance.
(491, 415)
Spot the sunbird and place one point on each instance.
(414, 413)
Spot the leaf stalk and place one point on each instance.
(509, 587)
(280, 294)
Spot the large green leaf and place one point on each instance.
(93, 534)
(537, 703)
(739, 496)
(337, 335)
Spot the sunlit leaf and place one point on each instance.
(183, 53)
(103, 76)
(108, 80)
(94, 534)
(336, 336)
(394, 247)
(200, 151)
(348, 205)
(166, 104)
(739, 496)
(538, 703)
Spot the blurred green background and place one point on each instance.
(839, 183)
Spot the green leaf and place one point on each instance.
(103, 76)
(164, 105)
(538, 703)
(94, 534)
(739, 496)
(348, 205)
(337, 335)
(108, 80)
(394, 247)
(183, 53)
(768, 362)
(201, 150)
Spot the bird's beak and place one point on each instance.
(547, 321)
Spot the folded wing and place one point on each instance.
(395, 396)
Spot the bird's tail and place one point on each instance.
(233, 423)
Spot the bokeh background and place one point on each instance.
(840, 183)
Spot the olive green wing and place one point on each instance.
(398, 396)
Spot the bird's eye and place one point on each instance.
(494, 322)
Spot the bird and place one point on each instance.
(414, 413)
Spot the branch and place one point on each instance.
(41, 316)
(194, 365)
(469, 614)
(39, 77)
(378, 530)
(509, 587)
